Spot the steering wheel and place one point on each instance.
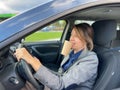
(26, 72)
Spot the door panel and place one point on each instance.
(47, 52)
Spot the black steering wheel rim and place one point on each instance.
(26, 72)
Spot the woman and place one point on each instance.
(78, 70)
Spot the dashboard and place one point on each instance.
(9, 77)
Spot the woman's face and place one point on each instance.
(77, 42)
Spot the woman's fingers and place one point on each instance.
(24, 54)
(20, 53)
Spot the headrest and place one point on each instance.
(104, 32)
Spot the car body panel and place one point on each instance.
(39, 16)
(36, 15)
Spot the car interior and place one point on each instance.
(106, 25)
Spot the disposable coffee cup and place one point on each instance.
(66, 48)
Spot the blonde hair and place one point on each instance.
(85, 33)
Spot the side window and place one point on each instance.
(50, 32)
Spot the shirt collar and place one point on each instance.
(76, 54)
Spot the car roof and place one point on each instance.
(45, 13)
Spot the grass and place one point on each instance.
(38, 36)
(7, 15)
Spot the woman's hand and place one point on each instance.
(22, 53)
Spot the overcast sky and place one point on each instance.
(16, 6)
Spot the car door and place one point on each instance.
(45, 43)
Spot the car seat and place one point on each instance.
(109, 58)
